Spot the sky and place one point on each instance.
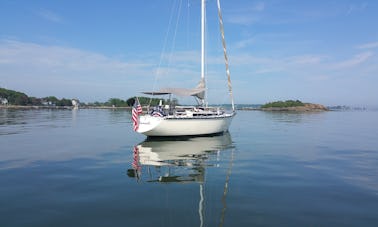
(315, 51)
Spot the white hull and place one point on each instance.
(184, 126)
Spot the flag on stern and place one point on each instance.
(136, 164)
(137, 109)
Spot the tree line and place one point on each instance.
(283, 104)
(19, 98)
(143, 101)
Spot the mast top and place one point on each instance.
(203, 14)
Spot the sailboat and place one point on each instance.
(174, 120)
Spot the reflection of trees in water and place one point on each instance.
(118, 115)
(291, 117)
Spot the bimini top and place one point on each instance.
(198, 91)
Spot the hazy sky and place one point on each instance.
(315, 51)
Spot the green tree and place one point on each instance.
(14, 97)
(117, 102)
(281, 104)
(64, 102)
(35, 101)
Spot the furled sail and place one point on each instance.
(198, 91)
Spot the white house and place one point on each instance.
(75, 103)
(4, 101)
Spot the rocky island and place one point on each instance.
(291, 105)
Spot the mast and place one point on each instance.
(203, 6)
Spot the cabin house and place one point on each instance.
(3, 101)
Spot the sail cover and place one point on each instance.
(198, 91)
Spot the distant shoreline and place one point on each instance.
(59, 107)
(241, 108)
(308, 107)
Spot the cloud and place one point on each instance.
(43, 70)
(357, 8)
(244, 43)
(307, 59)
(319, 78)
(246, 15)
(50, 16)
(258, 6)
(355, 60)
(59, 58)
(243, 19)
(368, 45)
(263, 65)
(314, 67)
(69, 72)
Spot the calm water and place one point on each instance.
(88, 168)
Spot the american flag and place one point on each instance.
(135, 163)
(136, 166)
(137, 109)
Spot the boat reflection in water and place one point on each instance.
(183, 160)
(171, 159)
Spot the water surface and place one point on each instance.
(88, 168)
